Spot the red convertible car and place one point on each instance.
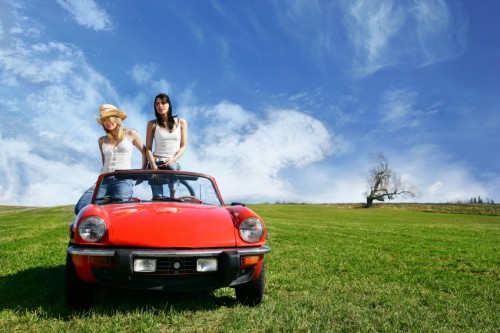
(184, 240)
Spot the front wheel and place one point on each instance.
(78, 292)
(252, 293)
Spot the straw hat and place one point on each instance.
(108, 110)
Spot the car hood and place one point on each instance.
(169, 225)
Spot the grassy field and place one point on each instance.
(331, 269)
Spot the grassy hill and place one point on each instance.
(390, 269)
(476, 209)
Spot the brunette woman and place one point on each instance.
(169, 134)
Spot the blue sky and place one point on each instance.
(285, 100)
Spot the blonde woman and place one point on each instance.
(116, 152)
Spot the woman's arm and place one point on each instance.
(136, 140)
(100, 142)
(184, 137)
(150, 132)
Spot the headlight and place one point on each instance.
(206, 265)
(92, 229)
(145, 265)
(251, 230)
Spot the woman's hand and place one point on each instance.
(163, 164)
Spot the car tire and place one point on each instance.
(252, 293)
(78, 292)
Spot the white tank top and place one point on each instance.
(167, 144)
(118, 157)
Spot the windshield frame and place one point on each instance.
(144, 175)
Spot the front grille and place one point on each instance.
(175, 266)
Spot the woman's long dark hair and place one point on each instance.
(170, 119)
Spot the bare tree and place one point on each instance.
(384, 183)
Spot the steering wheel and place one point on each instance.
(191, 198)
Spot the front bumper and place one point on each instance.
(120, 273)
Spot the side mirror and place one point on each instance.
(237, 204)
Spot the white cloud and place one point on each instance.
(88, 14)
(401, 35)
(37, 63)
(260, 158)
(32, 180)
(437, 178)
(440, 34)
(432, 172)
(335, 183)
(14, 23)
(48, 139)
(436, 187)
(370, 26)
(48, 133)
(60, 157)
(247, 153)
(397, 109)
(449, 183)
(142, 73)
(379, 34)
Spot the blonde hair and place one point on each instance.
(119, 126)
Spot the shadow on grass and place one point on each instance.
(42, 290)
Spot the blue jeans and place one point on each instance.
(158, 189)
(117, 188)
(110, 187)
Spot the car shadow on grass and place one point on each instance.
(42, 289)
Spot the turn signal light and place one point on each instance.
(99, 260)
(249, 261)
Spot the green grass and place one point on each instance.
(330, 269)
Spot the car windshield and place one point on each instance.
(156, 186)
